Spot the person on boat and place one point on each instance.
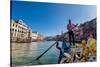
(70, 28)
(67, 54)
(85, 51)
(64, 51)
(92, 45)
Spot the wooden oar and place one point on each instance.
(45, 51)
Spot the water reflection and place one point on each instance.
(26, 53)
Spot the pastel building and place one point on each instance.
(34, 35)
(20, 32)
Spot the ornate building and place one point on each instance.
(19, 32)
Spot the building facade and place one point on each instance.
(19, 32)
(36, 36)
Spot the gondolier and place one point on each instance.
(70, 28)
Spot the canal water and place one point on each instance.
(26, 53)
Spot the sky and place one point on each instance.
(50, 19)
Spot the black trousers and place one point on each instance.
(71, 38)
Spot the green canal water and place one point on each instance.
(25, 53)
